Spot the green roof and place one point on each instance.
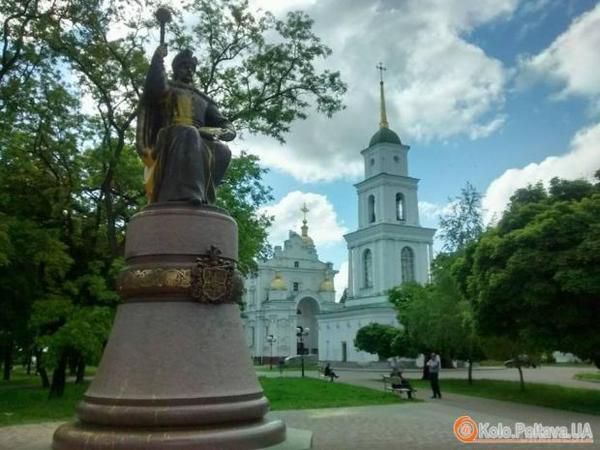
(384, 135)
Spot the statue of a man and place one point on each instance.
(179, 134)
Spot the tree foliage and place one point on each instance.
(436, 317)
(535, 277)
(377, 339)
(71, 74)
(463, 223)
(261, 69)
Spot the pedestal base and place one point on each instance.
(256, 435)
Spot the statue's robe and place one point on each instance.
(183, 163)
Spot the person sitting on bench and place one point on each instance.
(328, 372)
(404, 383)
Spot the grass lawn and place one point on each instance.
(24, 401)
(295, 368)
(23, 404)
(304, 393)
(588, 376)
(551, 396)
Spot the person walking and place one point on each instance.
(434, 365)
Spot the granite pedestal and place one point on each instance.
(176, 372)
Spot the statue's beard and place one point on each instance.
(186, 80)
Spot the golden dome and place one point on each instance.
(278, 284)
(307, 240)
(327, 285)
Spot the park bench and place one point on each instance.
(321, 370)
(388, 382)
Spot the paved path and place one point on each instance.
(562, 376)
(425, 425)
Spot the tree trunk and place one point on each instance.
(44, 377)
(425, 369)
(39, 368)
(521, 378)
(73, 362)
(470, 371)
(80, 370)
(28, 364)
(7, 360)
(59, 378)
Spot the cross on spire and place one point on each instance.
(383, 123)
(304, 209)
(381, 69)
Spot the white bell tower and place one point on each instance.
(390, 247)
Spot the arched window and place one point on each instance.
(371, 208)
(367, 269)
(407, 258)
(399, 206)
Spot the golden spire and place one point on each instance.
(304, 209)
(383, 123)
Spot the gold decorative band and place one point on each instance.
(202, 284)
(148, 278)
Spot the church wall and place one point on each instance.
(333, 331)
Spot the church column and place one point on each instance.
(429, 261)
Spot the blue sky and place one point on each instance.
(500, 93)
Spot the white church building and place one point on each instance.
(389, 248)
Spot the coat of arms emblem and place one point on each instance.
(212, 277)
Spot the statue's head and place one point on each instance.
(184, 66)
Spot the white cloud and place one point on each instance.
(340, 281)
(438, 84)
(430, 211)
(323, 225)
(582, 161)
(572, 60)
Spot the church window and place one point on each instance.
(371, 211)
(296, 286)
(296, 264)
(399, 206)
(396, 159)
(407, 258)
(372, 161)
(367, 269)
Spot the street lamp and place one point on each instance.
(271, 339)
(301, 332)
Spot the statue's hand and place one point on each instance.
(210, 132)
(161, 51)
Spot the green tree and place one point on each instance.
(377, 339)
(535, 277)
(260, 69)
(242, 193)
(70, 179)
(436, 317)
(463, 223)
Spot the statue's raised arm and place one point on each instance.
(179, 134)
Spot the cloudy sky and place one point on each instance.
(500, 93)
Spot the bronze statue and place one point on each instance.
(179, 134)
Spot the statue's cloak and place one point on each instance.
(149, 122)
